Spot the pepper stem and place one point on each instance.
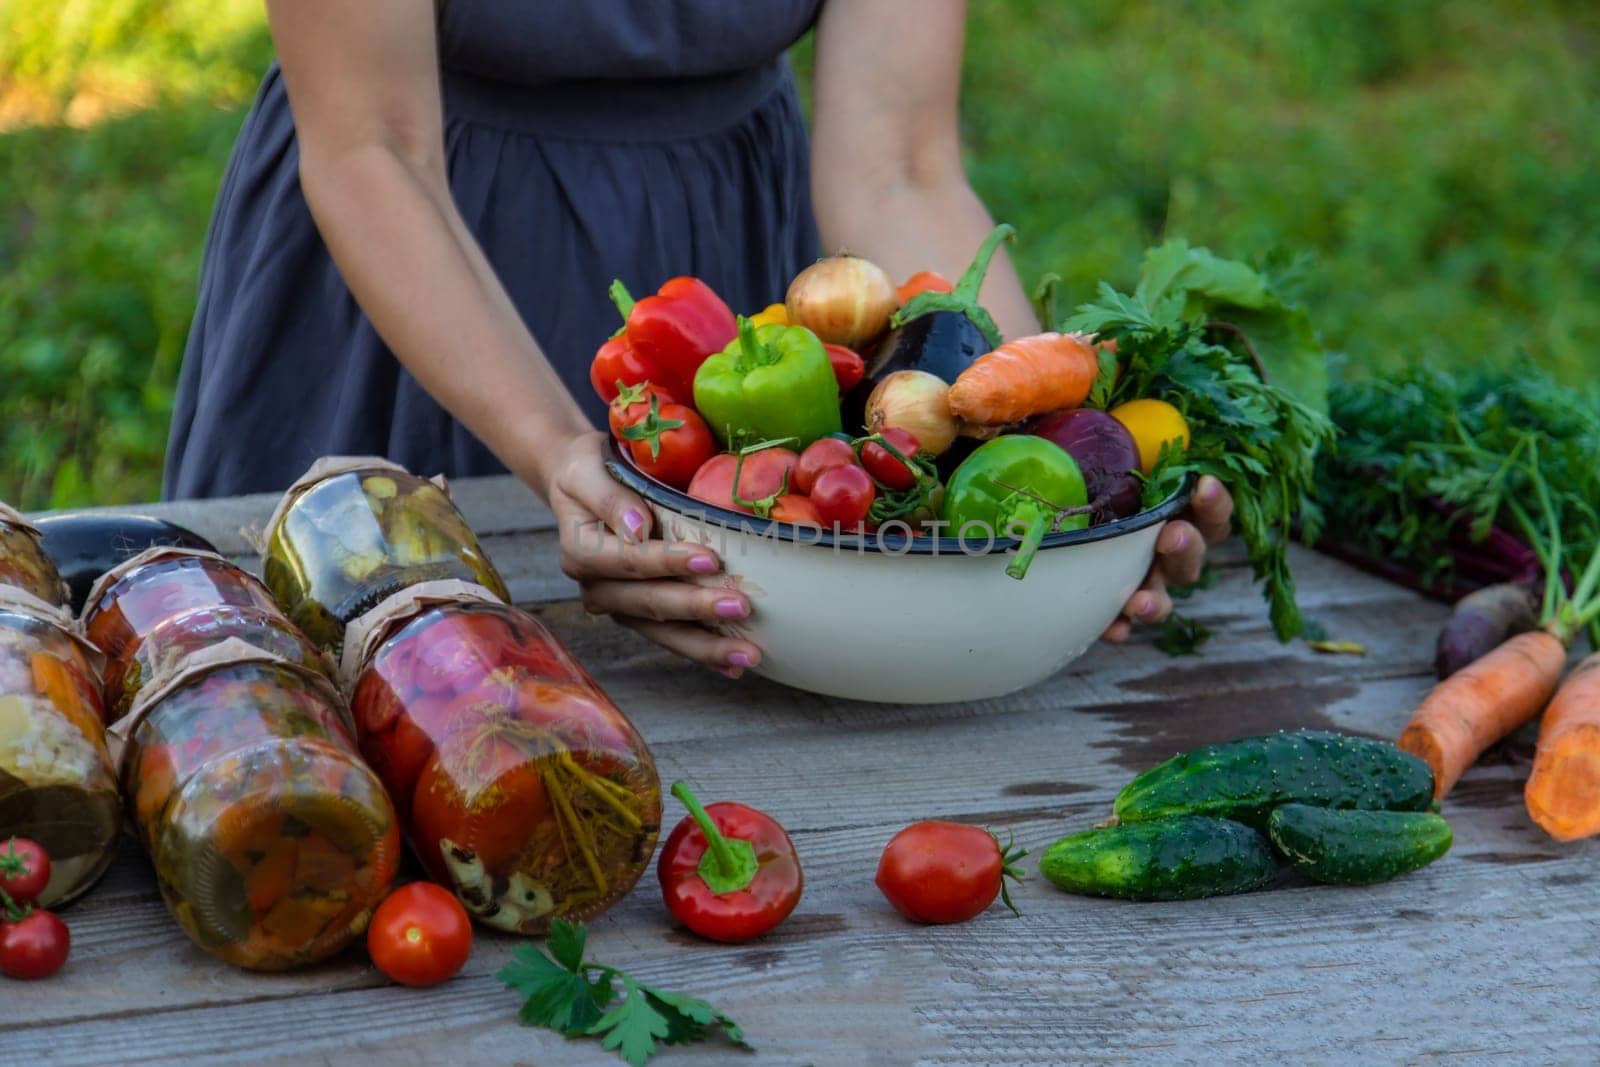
(751, 352)
(622, 298)
(1026, 549)
(729, 864)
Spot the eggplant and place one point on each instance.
(941, 333)
(85, 544)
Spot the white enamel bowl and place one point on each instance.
(928, 621)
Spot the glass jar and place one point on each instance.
(521, 785)
(57, 785)
(23, 563)
(347, 537)
(272, 842)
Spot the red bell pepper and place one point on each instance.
(728, 872)
(672, 332)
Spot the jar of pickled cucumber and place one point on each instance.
(272, 841)
(167, 603)
(520, 784)
(57, 784)
(354, 530)
(23, 563)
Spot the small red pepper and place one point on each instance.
(674, 331)
(848, 367)
(728, 872)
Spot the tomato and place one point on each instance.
(34, 946)
(420, 935)
(823, 454)
(670, 443)
(945, 872)
(616, 362)
(1153, 423)
(848, 367)
(766, 473)
(484, 793)
(24, 869)
(924, 281)
(398, 756)
(884, 467)
(633, 403)
(797, 509)
(842, 497)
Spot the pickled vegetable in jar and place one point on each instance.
(521, 785)
(271, 840)
(57, 784)
(23, 564)
(353, 531)
(135, 597)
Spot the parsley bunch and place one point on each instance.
(580, 999)
(1220, 342)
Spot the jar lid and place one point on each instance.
(230, 652)
(364, 633)
(329, 467)
(150, 555)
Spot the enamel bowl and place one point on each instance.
(896, 620)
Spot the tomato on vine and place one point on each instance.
(24, 869)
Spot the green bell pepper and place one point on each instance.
(1017, 486)
(771, 381)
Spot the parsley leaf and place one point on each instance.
(563, 992)
(1182, 636)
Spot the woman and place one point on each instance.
(412, 244)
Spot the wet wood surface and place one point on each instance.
(1489, 953)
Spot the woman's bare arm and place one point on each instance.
(363, 83)
(887, 175)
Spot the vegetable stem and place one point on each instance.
(622, 298)
(726, 867)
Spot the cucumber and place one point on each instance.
(1178, 858)
(1357, 847)
(1245, 780)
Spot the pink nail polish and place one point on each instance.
(729, 672)
(635, 524)
(730, 608)
(1180, 541)
(740, 659)
(703, 564)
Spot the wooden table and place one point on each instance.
(1494, 951)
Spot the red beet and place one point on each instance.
(1106, 453)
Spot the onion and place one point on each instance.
(917, 402)
(845, 300)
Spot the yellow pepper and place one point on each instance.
(771, 315)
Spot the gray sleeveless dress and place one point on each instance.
(586, 140)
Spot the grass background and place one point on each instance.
(1440, 162)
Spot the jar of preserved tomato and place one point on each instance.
(520, 784)
(57, 785)
(271, 840)
(23, 563)
(166, 603)
(354, 530)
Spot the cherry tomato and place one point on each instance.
(766, 473)
(633, 403)
(34, 946)
(945, 872)
(670, 443)
(883, 466)
(842, 497)
(420, 935)
(823, 454)
(848, 367)
(791, 507)
(924, 281)
(616, 361)
(24, 869)
(483, 793)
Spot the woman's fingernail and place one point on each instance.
(1180, 540)
(703, 564)
(740, 659)
(1209, 489)
(635, 524)
(1143, 605)
(729, 672)
(730, 608)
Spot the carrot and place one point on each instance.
(1025, 377)
(1563, 793)
(1483, 702)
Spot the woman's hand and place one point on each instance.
(1180, 552)
(606, 547)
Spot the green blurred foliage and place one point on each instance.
(1440, 161)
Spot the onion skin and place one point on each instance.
(1106, 453)
(917, 402)
(845, 300)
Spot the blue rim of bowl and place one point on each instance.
(896, 544)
